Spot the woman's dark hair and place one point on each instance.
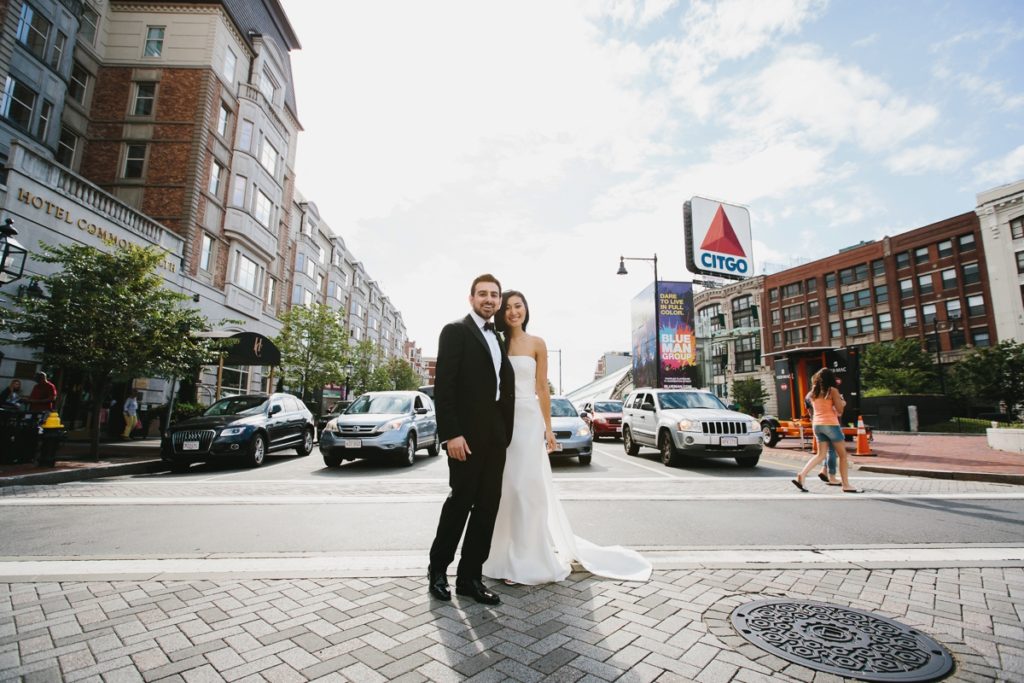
(499, 319)
(821, 382)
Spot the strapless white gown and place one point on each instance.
(533, 542)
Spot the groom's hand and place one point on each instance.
(458, 449)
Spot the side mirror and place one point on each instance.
(649, 407)
(584, 414)
(274, 410)
(733, 406)
(422, 411)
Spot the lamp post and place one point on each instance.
(12, 254)
(559, 352)
(657, 336)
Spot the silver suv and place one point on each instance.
(688, 422)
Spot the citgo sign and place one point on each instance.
(718, 239)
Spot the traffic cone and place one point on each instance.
(862, 438)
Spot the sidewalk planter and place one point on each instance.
(1011, 440)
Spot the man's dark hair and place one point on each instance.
(486, 277)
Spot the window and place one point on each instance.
(812, 308)
(957, 338)
(18, 102)
(205, 252)
(921, 255)
(238, 191)
(33, 30)
(78, 83)
(790, 313)
(309, 267)
(949, 279)
(966, 242)
(228, 68)
(902, 259)
(1020, 261)
(776, 339)
(245, 135)
(834, 330)
(854, 274)
(43, 124)
(906, 289)
(979, 336)
(811, 285)
(773, 295)
(268, 158)
(1017, 228)
(910, 317)
(216, 176)
(859, 326)
(832, 304)
(268, 86)
(307, 297)
(145, 93)
(90, 21)
(154, 41)
(271, 291)
(884, 321)
(971, 273)
(945, 248)
(776, 317)
(815, 333)
(134, 160)
(975, 305)
(60, 42)
(791, 290)
(878, 267)
(953, 309)
(924, 284)
(247, 273)
(830, 280)
(881, 294)
(263, 207)
(222, 121)
(66, 146)
(859, 299)
(797, 336)
(928, 314)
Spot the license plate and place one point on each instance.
(730, 441)
(618, 429)
(190, 446)
(353, 443)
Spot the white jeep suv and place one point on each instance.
(688, 422)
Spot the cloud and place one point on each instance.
(926, 159)
(866, 40)
(1006, 169)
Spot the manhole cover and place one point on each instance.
(841, 640)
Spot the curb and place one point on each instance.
(83, 473)
(990, 477)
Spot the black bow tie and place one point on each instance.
(489, 326)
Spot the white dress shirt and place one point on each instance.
(492, 342)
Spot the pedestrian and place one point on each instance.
(828, 405)
(474, 396)
(828, 468)
(43, 396)
(10, 397)
(130, 410)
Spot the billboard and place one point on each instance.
(662, 334)
(717, 237)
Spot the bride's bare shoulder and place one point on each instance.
(537, 346)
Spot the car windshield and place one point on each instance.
(238, 405)
(381, 404)
(608, 407)
(690, 399)
(562, 407)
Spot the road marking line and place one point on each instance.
(632, 460)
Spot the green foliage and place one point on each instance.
(401, 374)
(872, 393)
(363, 360)
(898, 367)
(108, 315)
(959, 425)
(314, 348)
(749, 395)
(992, 374)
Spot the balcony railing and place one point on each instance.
(251, 92)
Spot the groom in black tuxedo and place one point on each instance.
(474, 394)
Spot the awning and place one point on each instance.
(252, 348)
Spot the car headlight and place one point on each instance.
(686, 425)
(583, 431)
(391, 426)
(233, 431)
(753, 426)
(332, 426)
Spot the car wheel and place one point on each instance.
(332, 460)
(669, 455)
(179, 467)
(584, 459)
(306, 447)
(408, 457)
(258, 450)
(747, 460)
(771, 437)
(435, 447)
(628, 444)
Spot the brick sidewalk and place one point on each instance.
(674, 627)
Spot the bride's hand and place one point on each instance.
(549, 440)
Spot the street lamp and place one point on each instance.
(949, 326)
(12, 254)
(559, 352)
(657, 335)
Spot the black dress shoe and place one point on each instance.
(437, 583)
(476, 589)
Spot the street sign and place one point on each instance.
(717, 237)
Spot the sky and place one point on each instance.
(539, 141)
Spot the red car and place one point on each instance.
(604, 418)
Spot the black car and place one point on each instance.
(243, 427)
(333, 412)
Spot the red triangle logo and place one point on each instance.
(721, 238)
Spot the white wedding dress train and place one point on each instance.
(533, 542)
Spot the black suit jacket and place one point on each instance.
(464, 388)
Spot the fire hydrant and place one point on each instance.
(51, 434)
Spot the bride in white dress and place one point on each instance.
(533, 542)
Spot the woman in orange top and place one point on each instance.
(828, 405)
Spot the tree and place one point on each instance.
(314, 348)
(749, 395)
(108, 315)
(900, 366)
(361, 365)
(401, 376)
(995, 373)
